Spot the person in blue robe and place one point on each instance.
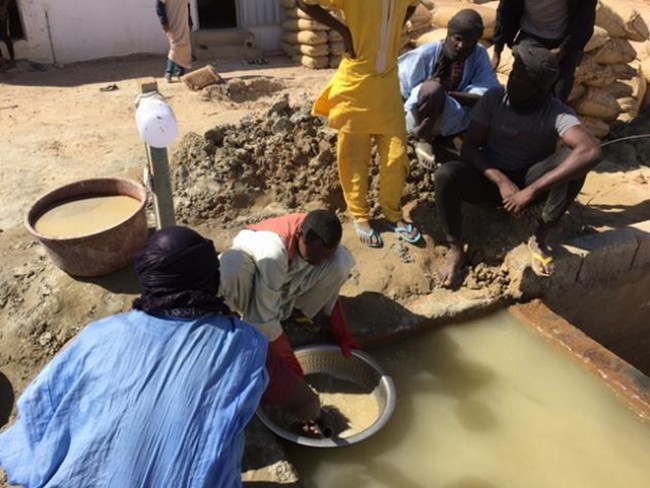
(157, 396)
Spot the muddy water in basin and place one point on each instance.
(488, 404)
(86, 216)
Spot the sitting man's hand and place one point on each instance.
(507, 188)
(517, 202)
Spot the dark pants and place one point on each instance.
(458, 181)
(431, 103)
(5, 36)
(174, 69)
(567, 65)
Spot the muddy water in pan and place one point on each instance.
(86, 216)
(488, 404)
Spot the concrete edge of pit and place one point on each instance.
(625, 380)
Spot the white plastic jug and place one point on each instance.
(155, 120)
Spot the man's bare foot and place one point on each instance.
(450, 271)
(541, 257)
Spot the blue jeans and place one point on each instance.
(173, 69)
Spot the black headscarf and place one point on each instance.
(534, 72)
(466, 22)
(540, 63)
(179, 273)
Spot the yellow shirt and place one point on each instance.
(363, 96)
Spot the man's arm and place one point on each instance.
(472, 153)
(585, 154)
(509, 14)
(464, 98)
(321, 15)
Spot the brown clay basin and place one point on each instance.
(100, 252)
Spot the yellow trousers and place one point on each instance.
(354, 154)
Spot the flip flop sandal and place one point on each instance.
(370, 238)
(404, 233)
(108, 88)
(539, 263)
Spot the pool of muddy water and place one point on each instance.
(488, 404)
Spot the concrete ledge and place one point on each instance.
(641, 231)
(604, 254)
(591, 258)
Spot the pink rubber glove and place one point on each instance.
(341, 330)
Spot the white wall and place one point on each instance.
(88, 29)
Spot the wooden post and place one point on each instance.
(158, 172)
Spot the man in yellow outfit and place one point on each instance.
(363, 100)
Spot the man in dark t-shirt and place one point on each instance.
(509, 157)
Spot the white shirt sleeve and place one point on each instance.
(272, 266)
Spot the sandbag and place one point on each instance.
(586, 69)
(412, 37)
(623, 71)
(334, 36)
(597, 103)
(615, 50)
(334, 61)
(337, 48)
(619, 89)
(631, 106)
(313, 51)
(645, 68)
(303, 24)
(295, 13)
(431, 36)
(598, 38)
(602, 76)
(506, 62)
(502, 79)
(577, 91)
(440, 16)
(620, 19)
(315, 63)
(305, 37)
(421, 18)
(598, 127)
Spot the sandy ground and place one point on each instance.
(57, 126)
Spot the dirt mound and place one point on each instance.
(284, 155)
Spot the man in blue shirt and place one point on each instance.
(441, 82)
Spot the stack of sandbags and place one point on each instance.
(304, 39)
(337, 48)
(610, 83)
(440, 16)
(335, 41)
(416, 26)
(431, 36)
